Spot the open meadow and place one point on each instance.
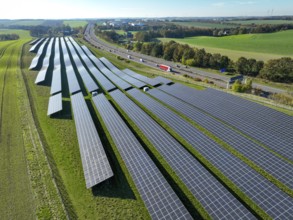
(258, 46)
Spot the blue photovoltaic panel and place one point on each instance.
(214, 197)
(104, 82)
(115, 79)
(36, 59)
(123, 75)
(189, 95)
(95, 164)
(159, 198)
(70, 73)
(281, 170)
(56, 85)
(163, 80)
(86, 78)
(46, 62)
(255, 186)
(149, 81)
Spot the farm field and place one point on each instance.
(21, 22)
(258, 46)
(75, 23)
(249, 22)
(204, 24)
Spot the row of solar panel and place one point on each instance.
(278, 144)
(213, 210)
(158, 196)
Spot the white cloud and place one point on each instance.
(219, 4)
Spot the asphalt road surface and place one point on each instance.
(220, 80)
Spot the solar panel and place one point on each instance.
(163, 80)
(214, 197)
(149, 81)
(70, 73)
(56, 85)
(123, 75)
(270, 120)
(115, 79)
(95, 164)
(46, 62)
(86, 78)
(189, 95)
(268, 161)
(36, 59)
(34, 41)
(159, 198)
(55, 104)
(255, 186)
(34, 47)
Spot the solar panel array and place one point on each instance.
(55, 104)
(36, 59)
(266, 195)
(34, 41)
(270, 120)
(104, 82)
(34, 47)
(95, 164)
(115, 79)
(214, 197)
(86, 78)
(70, 73)
(279, 145)
(163, 80)
(149, 81)
(159, 198)
(123, 75)
(268, 161)
(56, 85)
(46, 62)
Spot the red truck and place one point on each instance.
(165, 67)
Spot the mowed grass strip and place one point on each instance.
(17, 199)
(258, 46)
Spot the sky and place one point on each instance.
(68, 9)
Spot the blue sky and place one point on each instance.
(54, 9)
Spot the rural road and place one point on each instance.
(220, 80)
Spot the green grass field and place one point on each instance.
(75, 23)
(259, 46)
(249, 22)
(22, 34)
(198, 24)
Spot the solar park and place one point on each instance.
(249, 161)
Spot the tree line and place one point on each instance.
(277, 70)
(4, 37)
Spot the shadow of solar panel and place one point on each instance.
(214, 197)
(95, 164)
(151, 184)
(255, 186)
(34, 47)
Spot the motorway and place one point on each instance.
(219, 80)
